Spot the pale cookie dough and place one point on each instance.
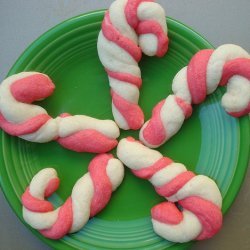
(199, 213)
(89, 196)
(129, 28)
(19, 117)
(228, 64)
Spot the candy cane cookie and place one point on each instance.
(89, 196)
(228, 64)
(198, 213)
(129, 28)
(19, 117)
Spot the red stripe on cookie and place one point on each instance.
(32, 88)
(131, 11)
(167, 212)
(34, 204)
(27, 127)
(154, 132)
(197, 75)
(88, 140)
(125, 77)
(148, 172)
(186, 107)
(130, 111)
(152, 27)
(112, 34)
(175, 185)
(52, 187)
(63, 223)
(208, 214)
(239, 66)
(101, 182)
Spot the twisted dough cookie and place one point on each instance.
(89, 196)
(127, 24)
(200, 214)
(228, 64)
(18, 117)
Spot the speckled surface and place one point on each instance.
(22, 21)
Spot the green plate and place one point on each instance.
(210, 142)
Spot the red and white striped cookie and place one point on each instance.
(129, 28)
(228, 64)
(19, 117)
(89, 196)
(198, 213)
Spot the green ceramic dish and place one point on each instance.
(210, 142)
